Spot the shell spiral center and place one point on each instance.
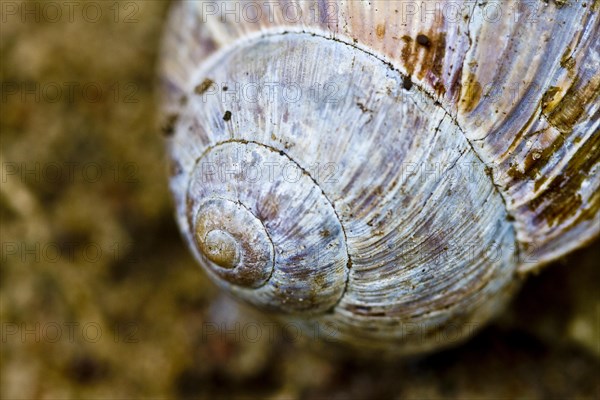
(264, 228)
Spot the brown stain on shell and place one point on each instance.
(535, 161)
(567, 61)
(561, 200)
(380, 31)
(591, 211)
(550, 99)
(564, 112)
(425, 56)
(168, 128)
(518, 137)
(471, 94)
(204, 86)
(406, 53)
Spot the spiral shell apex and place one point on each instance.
(266, 216)
(360, 169)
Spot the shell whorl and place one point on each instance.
(373, 200)
(234, 241)
(266, 216)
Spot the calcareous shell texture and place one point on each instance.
(388, 168)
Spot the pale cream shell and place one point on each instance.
(445, 187)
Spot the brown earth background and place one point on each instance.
(101, 299)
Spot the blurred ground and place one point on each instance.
(100, 298)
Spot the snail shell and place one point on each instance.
(438, 161)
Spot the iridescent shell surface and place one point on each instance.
(390, 168)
